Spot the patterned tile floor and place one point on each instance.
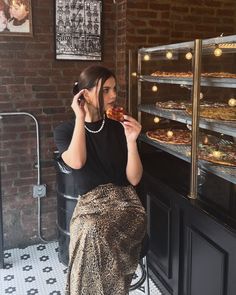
(37, 270)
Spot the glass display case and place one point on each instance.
(191, 87)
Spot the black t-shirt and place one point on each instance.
(106, 154)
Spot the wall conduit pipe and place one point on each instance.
(38, 163)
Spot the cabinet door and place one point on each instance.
(209, 253)
(164, 236)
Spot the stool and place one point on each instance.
(144, 267)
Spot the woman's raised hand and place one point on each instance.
(78, 104)
(132, 128)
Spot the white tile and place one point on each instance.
(37, 270)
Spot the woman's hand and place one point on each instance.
(132, 128)
(78, 104)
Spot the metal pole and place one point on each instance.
(37, 137)
(195, 117)
(1, 229)
(139, 83)
(130, 83)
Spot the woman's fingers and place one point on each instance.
(130, 121)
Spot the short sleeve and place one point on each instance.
(62, 136)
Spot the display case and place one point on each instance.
(205, 70)
(190, 181)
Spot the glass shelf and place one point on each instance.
(212, 82)
(211, 42)
(182, 152)
(228, 128)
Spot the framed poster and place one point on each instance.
(15, 17)
(78, 29)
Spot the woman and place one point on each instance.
(109, 222)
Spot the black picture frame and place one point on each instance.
(78, 30)
(16, 18)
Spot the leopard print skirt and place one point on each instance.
(106, 231)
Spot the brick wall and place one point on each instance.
(31, 80)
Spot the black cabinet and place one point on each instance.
(192, 248)
(209, 266)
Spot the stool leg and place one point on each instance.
(146, 284)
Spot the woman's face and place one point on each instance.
(109, 93)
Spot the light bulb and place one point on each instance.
(169, 133)
(188, 55)
(217, 51)
(134, 74)
(232, 102)
(146, 57)
(206, 140)
(169, 55)
(188, 153)
(216, 154)
(201, 95)
(154, 88)
(156, 120)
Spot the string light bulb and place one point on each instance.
(156, 120)
(134, 74)
(216, 154)
(206, 140)
(189, 55)
(217, 51)
(154, 88)
(146, 57)
(170, 133)
(232, 102)
(169, 55)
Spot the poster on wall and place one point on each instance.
(78, 29)
(16, 18)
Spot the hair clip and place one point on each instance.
(75, 89)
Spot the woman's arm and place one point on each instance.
(75, 156)
(134, 167)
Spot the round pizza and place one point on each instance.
(218, 112)
(186, 104)
(175, 136)
(190, 74)
(173, 105)
(222, 154)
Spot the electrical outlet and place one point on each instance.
(39, 191)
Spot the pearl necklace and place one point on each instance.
(96, 131)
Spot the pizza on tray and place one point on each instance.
(225, 113)
(221, 154)
(175, 136)
(173, 105)
(210, 150)
(185, 104)
(190, 74)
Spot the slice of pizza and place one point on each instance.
(116, 113)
